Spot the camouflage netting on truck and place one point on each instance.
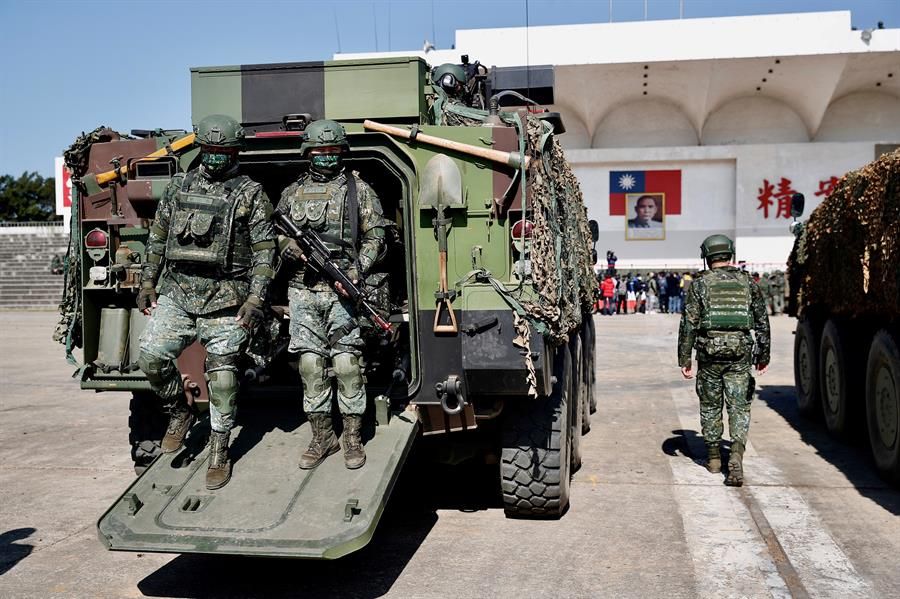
(561, 268)
(848, 252)
(68, 329)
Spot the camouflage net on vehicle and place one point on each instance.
(68, 329)
(848, 253)
(562, 273)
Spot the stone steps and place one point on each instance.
(25, 277)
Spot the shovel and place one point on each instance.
(442, 189)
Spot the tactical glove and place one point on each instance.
(291, 251)
(146, 298)
(250, 314)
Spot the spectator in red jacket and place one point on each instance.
(608, 292)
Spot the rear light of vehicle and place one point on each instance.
(96, 239)
(520, 233)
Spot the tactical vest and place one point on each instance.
(204, 229)
(729, 303)
(322, 206)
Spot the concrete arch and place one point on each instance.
(644, 123)
(753, 120)
(861, 116)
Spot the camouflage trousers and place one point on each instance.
(324, 328)
(170, 330)
(732, 383)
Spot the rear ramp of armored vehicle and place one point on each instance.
(270, 507)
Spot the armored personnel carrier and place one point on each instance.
(491, 282)
(845, 292)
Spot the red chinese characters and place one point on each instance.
(827, 186)
(779, 197)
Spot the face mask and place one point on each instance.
(216, 163)
(327, 165)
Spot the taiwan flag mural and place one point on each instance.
(623, 183)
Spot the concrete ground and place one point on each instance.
(646, 520)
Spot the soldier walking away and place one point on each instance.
(347, 215)
(776, 290)
(205, 275)
(722, 307)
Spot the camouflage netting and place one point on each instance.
(561, 267)
(848, 252)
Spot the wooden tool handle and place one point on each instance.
(176, 145)
(499, 156)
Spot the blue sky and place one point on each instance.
(69, 66)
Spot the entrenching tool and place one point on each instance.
(122, 171)
(442, 189)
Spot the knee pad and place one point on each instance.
(223, 386)
(312, 371)
(348, 374)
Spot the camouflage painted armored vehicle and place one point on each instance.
(845, 292)
(489, 264)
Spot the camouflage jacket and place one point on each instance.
(697, 301)
(322, 206)
(203, 289)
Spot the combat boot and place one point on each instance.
(354, 454)
(323, 444)
(219, 471)
(735, 476)
(713, 458)
(180, 421)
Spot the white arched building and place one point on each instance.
(736, 112)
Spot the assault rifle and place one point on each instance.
(318, 256)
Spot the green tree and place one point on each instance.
(31, 197)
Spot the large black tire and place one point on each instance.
(534, 467)
(578, 395)
(146, 426)
(834, 379)
(587, 374)
(806, 367)
(883, 404)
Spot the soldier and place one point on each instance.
(722, 307)
(213, 235)
(346, 214)
(451, 106)
(776, 288)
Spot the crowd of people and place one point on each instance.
(621, 293)
(665, 292)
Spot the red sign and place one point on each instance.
(66, 188)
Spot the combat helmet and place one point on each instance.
(324, 133)
(449, 76)
(716, 246)
(219, 131)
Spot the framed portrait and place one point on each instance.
(645, 218)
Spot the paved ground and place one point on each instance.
(645, 521)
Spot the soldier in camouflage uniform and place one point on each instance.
(347, 215)
(450, 106)
(722, 306)
(209, 258)
(776, 291)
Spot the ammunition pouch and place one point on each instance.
(724, 346)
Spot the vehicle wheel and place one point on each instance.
(834, 376)
(883, 404)
(146, 426)
(534, 467)
(578, 396)
(806, 367)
